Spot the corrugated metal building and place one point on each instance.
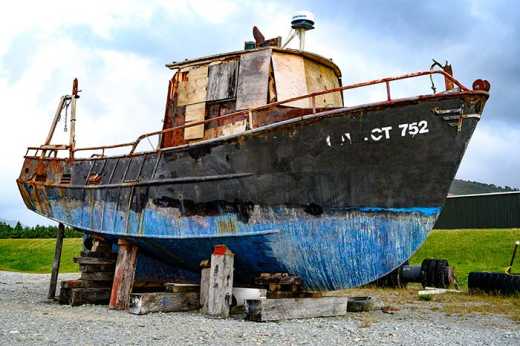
(487, 210)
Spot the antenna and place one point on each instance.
(301, 22)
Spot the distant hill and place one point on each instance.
(468, 187)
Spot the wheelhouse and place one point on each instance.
(208, 88)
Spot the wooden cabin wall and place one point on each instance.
(192, 93)
(289, 72)
(253, 77)
(297, 76)
(319, 77)
(222, 80)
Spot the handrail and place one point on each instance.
(248, 112)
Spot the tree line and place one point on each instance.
(19, 231)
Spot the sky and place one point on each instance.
(118, 49)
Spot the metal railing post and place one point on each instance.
(388, 96)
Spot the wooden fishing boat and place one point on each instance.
(259, 152)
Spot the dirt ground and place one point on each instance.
(26, 318)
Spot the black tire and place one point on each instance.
(359, 304)
(493, 283)
(435, 273)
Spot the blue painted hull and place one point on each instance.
(347, 249)
(341, 248)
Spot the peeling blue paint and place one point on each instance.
(338, 249)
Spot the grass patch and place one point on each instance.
(36, 255)
(466, 250)
(471, 250)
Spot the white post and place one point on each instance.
(301, 36)
(72, 137)
(220, 282)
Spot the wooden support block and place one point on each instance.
(98, 276)
(97, 268)
(94, 260)
(99, 254)
(86, 284)
(177, 287)
(220, 282)
(147, 286)
(71, 284)
(263, 310)
(143, 303)
(204, 289)
(80, 296)
(56, 263)
(123, 276)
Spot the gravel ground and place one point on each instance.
(27, 318)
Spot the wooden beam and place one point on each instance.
(174, 287)
(94, 260)
(56, 263)
(97, 268)
(80, 296)
(220, 282)
(123, 276)
(262, 310)
(97, 276)
(143, 303)
(85, 284)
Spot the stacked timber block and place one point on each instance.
(95, 283)
(281, 285)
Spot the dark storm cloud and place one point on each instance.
(481, 39)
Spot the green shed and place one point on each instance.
(487, 210)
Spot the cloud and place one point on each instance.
(118, 50)
(491, 156)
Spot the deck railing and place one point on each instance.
(52, 150)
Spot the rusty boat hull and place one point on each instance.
(339, 198)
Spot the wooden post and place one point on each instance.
(123, 276)
(220, 282)
(56, 263)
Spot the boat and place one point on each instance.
(260, 151)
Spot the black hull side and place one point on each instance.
(303, 163)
